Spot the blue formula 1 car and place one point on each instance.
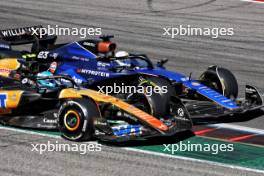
(94, 63)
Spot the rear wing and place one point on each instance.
(26, 35)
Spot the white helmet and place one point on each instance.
(121, 54)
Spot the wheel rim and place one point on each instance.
(72, 120)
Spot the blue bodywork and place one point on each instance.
(84, 67)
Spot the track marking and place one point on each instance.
(38, 133)
(201, 132)
(254, 1)
(240, 138)
(29, 132)
(245, 135)
(238, 128)
(149, 152)
(235, 142)
(195, 160)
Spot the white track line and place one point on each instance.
(29, 132)
(254, 1)
(37, 133)
(147, 152)
(238, 127)
(194, 160)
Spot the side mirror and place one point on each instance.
(162, 62)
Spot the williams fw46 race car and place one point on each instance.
(95, 63)
(81, 114)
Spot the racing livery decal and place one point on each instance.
(3, 98)
(9, 99)
(93, 72)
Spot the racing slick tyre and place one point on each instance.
(222, 80)
(146, 103)
(160, 101)
(76, 119)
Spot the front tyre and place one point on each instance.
(222, 80)
(76, 119)
(160, 101)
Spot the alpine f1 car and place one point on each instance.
(81, 114)
(94, 63)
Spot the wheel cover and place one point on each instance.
(72, 120)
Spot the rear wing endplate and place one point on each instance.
(26, 35)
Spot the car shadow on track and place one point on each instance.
(153, 141)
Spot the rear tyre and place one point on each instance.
(222, 80)
(76, 119)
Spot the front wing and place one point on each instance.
(201, 109)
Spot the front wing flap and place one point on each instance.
(201, 109)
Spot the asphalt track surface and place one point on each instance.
(138, 26)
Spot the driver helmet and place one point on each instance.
(53, 67)
(121, 54)
(51, 70)
(121, 57)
